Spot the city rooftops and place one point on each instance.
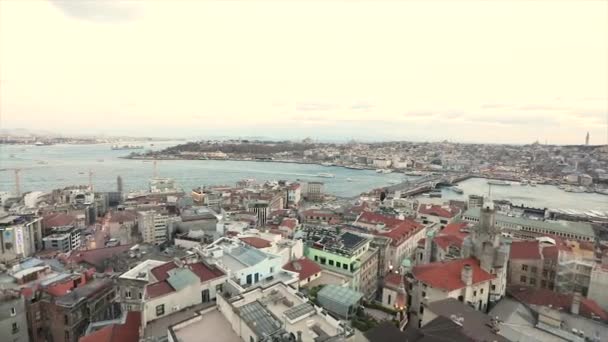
(83, 292)
(560, 227)
(331, 240)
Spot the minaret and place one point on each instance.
(587, 139)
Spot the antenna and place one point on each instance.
(90, 180)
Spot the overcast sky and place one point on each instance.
(474, 71)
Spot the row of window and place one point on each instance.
(330, 262)
(533, 269)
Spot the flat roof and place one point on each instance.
(259, 319)
(340, 294)
(569, 227)
(198, 328)
(142, 270)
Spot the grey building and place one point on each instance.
(13, 317)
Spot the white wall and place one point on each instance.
(598, 286)
(173, 302)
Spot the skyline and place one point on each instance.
(328, 70)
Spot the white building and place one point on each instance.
(246, 266)
(158, 288)
(274, 313)
(20, 236)
(441, 215)
(294, 194)
(598, 285)
(64, 239)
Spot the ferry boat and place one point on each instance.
(326, 175)
(127, 147)
(498, 182)
(384, 171)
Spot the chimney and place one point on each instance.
(299, 336)
(466, 275)
(576, 303)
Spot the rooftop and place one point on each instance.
(343, 295)
(566, 227)
(304, 267)
(447, 275)
(83, 292)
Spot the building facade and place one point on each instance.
(13, 317)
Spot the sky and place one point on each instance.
(464, 71)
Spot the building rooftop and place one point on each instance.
(304, 267)
(261, 320)
(340, 294)
(447, 275)
(565, 227)
(127, 331)
(83, 292)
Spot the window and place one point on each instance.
(65, 319)
(271, 270)
(533, 269)
(316, 258)
(545, 273)
(338, 264)
(532, 281)
(13, 312)
(493, 287)
(128, 294)
(15, 328)
(522, 279)
(160, 310)
(38, 315)
(421, 309)
(474, 293)
(543, 283)
(345, 266)
(330, 262)
(524, 267)
(323, 261)
(67, 336)
(140, 296)
(389, 299)
(481, 291)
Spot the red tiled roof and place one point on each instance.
(123, 216)
(256, 242)
(205, 272)
(455, 229)
(161, 272)
(560, 301)
(58, 220)
(96, 257)
(438, 210)
(127, 332)
(289, 223)
(525, 250)
(158, 289)
(304, 267)
(402, 231)
(393, 279)
(374, 218)
(447, 275)
(445, 241)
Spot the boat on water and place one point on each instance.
(384, 171)
(524, 182)
(532, 183)
(127, 147)
(349, 179)
(575, 189)
(456, 190)
(12, 156)
(326, 164)
(325, 175)
(498, 182)
(415, 173)
(42, 162)
(41, 143)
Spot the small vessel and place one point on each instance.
(532, 183)
(384, 171)
(42, 162)
(127, 147)
(12, 156)
(414, 173)
(326, 175)
(498, 182)
(326, 164)
(349, 179)
(524, 182)
(457, 190)
(81, 173)
(435, 194)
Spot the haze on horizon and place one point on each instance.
(496, 71)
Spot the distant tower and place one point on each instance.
(119, 183)
(587, 139)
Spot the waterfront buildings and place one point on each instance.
(523, 228)
(20, 236)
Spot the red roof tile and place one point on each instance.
(289, 223)
(445, 241)
(97, 257)
(127, 332)
(205, 272)
(456, 229)
(393, 279)
(161, 272)
(158, 289)
(58, 220)
(304, 267)
(438, 210)
(560, 301)
(447, 275)
(525, 250)
(374, 218)
(256, 242)
(402, 231)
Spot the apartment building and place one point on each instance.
(153, 226)
(13, 316)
